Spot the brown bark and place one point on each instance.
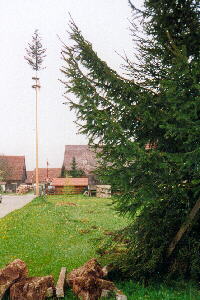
(86, 281)
(184, 227)
(12, 273)
(33, 288)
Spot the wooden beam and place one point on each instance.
(106, 269)
(60, 287)
(184, 227)
(49, 292)
(120, 295)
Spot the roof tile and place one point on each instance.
(15, 167)
(44, 175)
(70, 182)
(84, 156)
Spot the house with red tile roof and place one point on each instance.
(45, 175)
(14, 171)
(85, 159)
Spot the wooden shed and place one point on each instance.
(69, 185)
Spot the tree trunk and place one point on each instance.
(12, 273)
(87, 281)
(33, 288)
(184, 227)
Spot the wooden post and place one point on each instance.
(60, 286)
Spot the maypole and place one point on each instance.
(35, 56)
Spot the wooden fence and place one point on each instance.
(66, 190)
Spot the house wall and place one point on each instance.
(3, 187)
(12, 186)
(92, 180)
(24, 176)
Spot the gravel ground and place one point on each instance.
(13, 202)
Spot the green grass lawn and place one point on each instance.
(57, 231)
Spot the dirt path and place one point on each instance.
(12, 202)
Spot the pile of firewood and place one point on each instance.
(22, 189)
(86, 282)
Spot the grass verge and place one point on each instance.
(57, 231)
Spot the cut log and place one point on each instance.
(120, 295)
(60, 287)
(13, 272)
(87, 283)
(184, 227)
(103, 191)
(91, 268)
(105, 293)
(32, 288)
(106, 269)
(49, 293)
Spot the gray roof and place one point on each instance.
(84, 156)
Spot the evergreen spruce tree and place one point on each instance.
(63, 172)
(75, 172)
(147, 129)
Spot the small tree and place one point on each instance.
(35, 52)
(75, 172)
(63, 172)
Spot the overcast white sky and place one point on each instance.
(103, 22)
